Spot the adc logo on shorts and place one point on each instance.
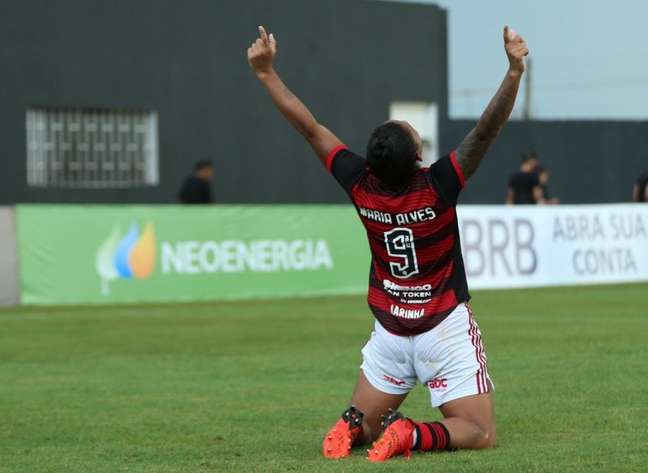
(392, 380)
(125, 257)
(437, 383)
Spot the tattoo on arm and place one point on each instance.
(475, 145)
(470, 153)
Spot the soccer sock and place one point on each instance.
(429, 436)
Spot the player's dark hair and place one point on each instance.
(391, 154)
(528, 156)
(203, 164)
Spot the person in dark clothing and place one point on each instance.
(640, 190)
(524, 185)
(196, 189)
(543, 177)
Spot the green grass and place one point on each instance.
(252, 387)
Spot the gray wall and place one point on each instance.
(347, 59)
(590, 162)
(8, 258)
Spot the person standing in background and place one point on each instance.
(640, 190)
(532, 158)
(524, 185)
(543, 178)
(196, 189)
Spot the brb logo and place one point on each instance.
(438, 383)
(126, 256)
(499, 248)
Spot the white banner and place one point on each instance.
(529, 246)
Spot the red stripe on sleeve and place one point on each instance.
(329, 158)
(455, 164)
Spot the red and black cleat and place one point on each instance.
(338, 441)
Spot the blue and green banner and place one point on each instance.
(107, 254)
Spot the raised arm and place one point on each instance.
(475, 145)
(261, 56)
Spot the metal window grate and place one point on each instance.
(91, 148)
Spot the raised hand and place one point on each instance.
(474, 146)
(516, 48)
(262, 52)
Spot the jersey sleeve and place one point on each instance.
(447, 178)
(345, 166)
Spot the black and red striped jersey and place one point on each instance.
(417, 274)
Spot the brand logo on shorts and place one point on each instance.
(437, 383)
(389, 379)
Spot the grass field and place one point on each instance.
(252, 387)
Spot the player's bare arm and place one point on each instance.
(261, 56)
(474, 147)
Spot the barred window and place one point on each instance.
(91, 148)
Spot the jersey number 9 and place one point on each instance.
(400, 244)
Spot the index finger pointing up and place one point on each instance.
(263, 34)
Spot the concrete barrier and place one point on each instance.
(9, 291)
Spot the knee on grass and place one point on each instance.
(481, 439)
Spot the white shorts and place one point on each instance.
(449, 359)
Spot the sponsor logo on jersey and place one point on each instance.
(409, 294)
(406, 313)
(437, 383)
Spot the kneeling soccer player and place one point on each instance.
(418, 293)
